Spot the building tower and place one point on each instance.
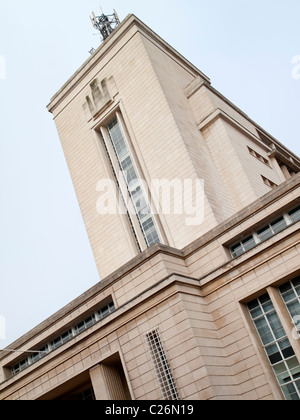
(192, 211)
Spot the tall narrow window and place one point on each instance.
(161, 366)
(133, 184)
(277, 346)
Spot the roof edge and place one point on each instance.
(92, 61)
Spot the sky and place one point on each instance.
(249, 49)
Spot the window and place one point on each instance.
(272, 229)
(133, 183)
(64, 338)
(266, 232)
(259, 157)
(105, 311)
(87, 395)
(268, 182)
(161, 366)
(42, 352)
(56, 343)
(243, 246)
(20, 366)
(276, 345)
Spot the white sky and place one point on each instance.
(245, 47)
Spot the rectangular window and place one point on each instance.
(265, 232)
(277, 346)
(56, 343)
(122, 197)
(65, 337)
(243, 246)
(259, 156)
(268, 182)
(161, 366)
(271, 230)
(133, 183)
(42, 352)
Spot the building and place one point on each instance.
(202, 303)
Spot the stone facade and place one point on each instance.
(171, 320)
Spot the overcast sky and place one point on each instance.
(249, 49)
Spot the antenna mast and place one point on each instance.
(105, 24)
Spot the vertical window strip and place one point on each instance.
(161, 366)
(121, 195)
(277, 346)
(134, 186)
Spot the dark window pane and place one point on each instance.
(279, 225)
(265, 233)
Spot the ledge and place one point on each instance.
(159, 249)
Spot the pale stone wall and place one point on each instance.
(195, 297)
(190, 289)
(166, 104)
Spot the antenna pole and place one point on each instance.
(105, 24)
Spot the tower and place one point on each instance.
(142, 126)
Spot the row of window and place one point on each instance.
(273, 336)
(265, 232)
(268, 182)
(64, 338)
(259, 157)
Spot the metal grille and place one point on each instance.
(161, 366)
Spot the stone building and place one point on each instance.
(199, 302)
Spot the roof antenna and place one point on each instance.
(105, 24)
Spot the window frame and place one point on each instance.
(59, 340)
(142, 238)
(256, 233)
(287, 337)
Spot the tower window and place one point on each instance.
(133, 183)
